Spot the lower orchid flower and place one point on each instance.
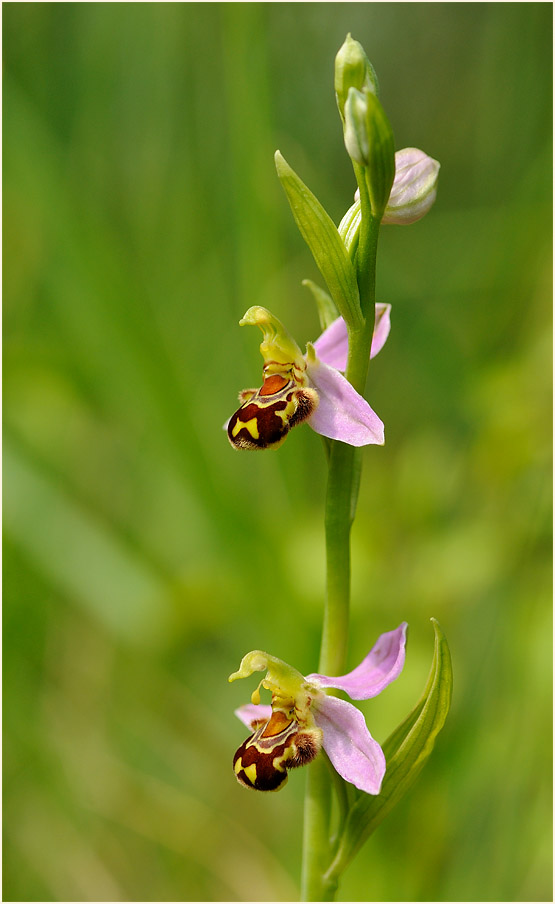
(302, 718)
(309, 387)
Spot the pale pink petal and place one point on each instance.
(353, 752)
(251, 713)
(342, 413)
(383, 665)
(332, 346)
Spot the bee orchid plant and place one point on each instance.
(303, 723)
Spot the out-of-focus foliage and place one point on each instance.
(143, 556)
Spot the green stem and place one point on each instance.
(316, 847)
(344, 472)
(366, 251)
(341, 498)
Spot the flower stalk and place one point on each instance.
(316, 848)
(369, 142)
(324, 388)
(344, 468)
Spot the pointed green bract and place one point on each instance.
(349, 228)
(406, 750)
(321, 235)
(370, 144)
(327, 311)
(380, 172)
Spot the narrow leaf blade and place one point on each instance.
(321, 235)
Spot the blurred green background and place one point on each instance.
(143, 556)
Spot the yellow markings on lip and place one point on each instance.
(287, 413)
(250, 772)
(251, 426)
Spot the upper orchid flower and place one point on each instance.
(309, 387)
(303, 718)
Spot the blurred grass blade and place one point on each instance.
(406, 751)
(83, 557)
(321, 235)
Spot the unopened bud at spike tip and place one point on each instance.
(353, 69)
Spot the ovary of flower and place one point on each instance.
(303, 718)
(308, 387)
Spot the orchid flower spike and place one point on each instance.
(302, 718)
(309, 387)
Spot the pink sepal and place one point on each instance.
(250, 713)
(333, 345)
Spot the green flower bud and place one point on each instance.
(356, 129)
(353, 69)
(369, 142)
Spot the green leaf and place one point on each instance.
(321, 235)
(406, 751)
(327, 312)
